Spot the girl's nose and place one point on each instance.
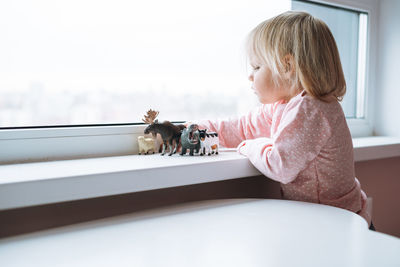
(251, 77)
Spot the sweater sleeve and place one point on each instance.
(232, 131)
(302, 133)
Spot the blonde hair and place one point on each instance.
(311, 48)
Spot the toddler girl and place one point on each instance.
(299, 135)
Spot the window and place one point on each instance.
(104, 62)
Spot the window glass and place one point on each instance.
(344, 25)
(98, 62)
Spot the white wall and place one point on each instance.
(387, 69)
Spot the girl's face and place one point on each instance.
(264, 87)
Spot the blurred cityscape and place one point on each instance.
(40, 106)
(112, 63)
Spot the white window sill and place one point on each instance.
(30, 184)
(376, 147)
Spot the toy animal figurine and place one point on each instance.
(170, 133)
(209, 142)
(146, 145)
(190, 139)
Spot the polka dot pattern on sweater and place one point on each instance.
(305, 144)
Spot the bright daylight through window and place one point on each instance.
(99, 62)
(85, 62)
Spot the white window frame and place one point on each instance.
(56, 143)
(362, 126)
(62, 143)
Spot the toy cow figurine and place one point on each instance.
(209, 142)
(170, 133)
(190, 139)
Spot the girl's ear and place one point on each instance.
(288, 63)
(288, 66)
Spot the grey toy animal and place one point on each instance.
(190, 139)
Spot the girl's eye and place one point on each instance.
(256, 68)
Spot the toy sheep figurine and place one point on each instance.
(146, 145)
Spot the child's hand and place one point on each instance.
(252, 145)
(188, 123)
(242, 148)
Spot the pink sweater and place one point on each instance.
(305, 144)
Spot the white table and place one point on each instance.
(241, 232)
